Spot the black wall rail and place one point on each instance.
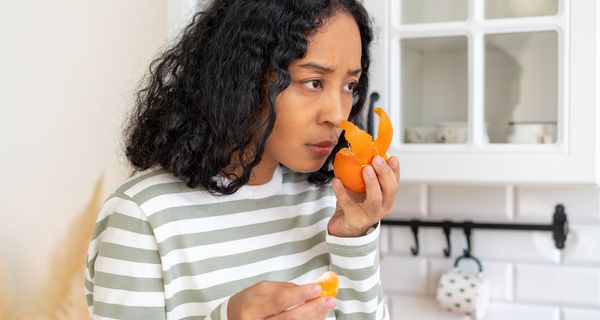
(373, 97)
(559, 228)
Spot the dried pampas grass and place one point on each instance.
(63, 296)
(5, 300)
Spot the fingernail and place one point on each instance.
(316, 289)
(369, 171)
(330, 303)
(394, 163)
(378, 161)
(337, 184)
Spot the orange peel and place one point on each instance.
(348, 162)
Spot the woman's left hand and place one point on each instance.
(357, 212)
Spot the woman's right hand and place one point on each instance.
(279, 301)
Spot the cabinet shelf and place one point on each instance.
(474, 27)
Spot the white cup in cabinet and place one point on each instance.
(451, 132)
(420, 134)
(531, 132)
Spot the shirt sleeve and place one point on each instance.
(124, 274)
(124, 278)
(356, 261)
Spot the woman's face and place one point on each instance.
(318, 98)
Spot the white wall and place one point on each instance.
(68, 72)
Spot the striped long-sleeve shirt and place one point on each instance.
(161, 250)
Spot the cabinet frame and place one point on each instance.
(571, 160)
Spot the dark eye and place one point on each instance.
(313, 84)
(350, 86)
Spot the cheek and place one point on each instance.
(349, 101)
(287, 131)
(283, 130)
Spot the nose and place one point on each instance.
(335, 107)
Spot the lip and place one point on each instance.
(323, 148)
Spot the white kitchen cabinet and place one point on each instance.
(490, 91)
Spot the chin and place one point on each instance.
(304, 166)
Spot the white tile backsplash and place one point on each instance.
(505, 311)
(483, 203)
(537, 204)
(562, 285)
(436, 268)
(583, 245)
(580, 314)
(419, 308)
(529, 246)
(401, 240)
(531, 279)
(501, 276)
(384, 240)
(404, 274)
(411, 202)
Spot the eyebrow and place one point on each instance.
(324, 69)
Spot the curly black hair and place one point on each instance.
(206, 98)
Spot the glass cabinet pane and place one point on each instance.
(521, 87)
(426, 11)
(434, 93)
(520, 8)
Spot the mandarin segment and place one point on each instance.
(329, 283)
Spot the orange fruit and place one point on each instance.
(348, 162)
(329, 283)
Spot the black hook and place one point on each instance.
(414, 226)
(468, 225)
(446, 226)
(479, 266)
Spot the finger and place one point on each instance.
(277, 302)
(372, 202)
(343, 197)
(385, 173)
(315, 309)
(394, 163)
(387, 181)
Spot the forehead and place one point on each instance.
(336, 43)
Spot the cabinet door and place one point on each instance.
(490, 91)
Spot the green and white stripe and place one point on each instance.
(161, 250)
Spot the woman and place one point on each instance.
(232, 213)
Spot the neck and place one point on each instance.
(263, 172)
